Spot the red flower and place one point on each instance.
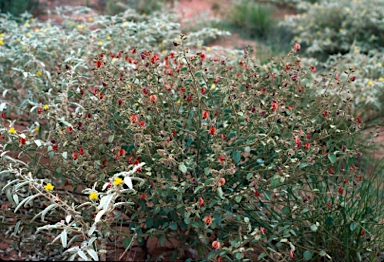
(154, 58)
(74, 155)
(207, 220)
(216, 245)
(257, 194)
(340, 190)
(353, 78)
(142, 123)
(223, 137)
(23, 140)
(55, 147)
(99, 63)
(201, 201)
(143, 196)
(70, 129)
(203, 90)
(221, 159)
(307, 145)
(101, 95)
(212, 130)
(263, 230)
(292, 253)
(145, 91)
(331, 170)
(300, 89)
(174, 133)
(153, 98)
(337, 77)
(287, 67)
(202, 56)
(358, 119)
(120, 101)
(134, 118)
(362, 233)
(3, 115)
(275, 105)
(205, 114)
(313, 68)
(39, 110)
(297, 47)
(325, 113)
(329, 206)
(221, 181)
(81, 151)
(121, 152)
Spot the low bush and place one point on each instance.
(332, 27)
(123, 141)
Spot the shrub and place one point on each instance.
(17, 7)
(332, 27)
(254, 19)
(241, 161)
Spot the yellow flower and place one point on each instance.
(49, 187)
(93, 195)
(80, 27)
(29, 34)
(48, 24)
(32, 19)
(163, 52)
(26, 24)
(117, 181)
(45, 30)
(38, 73)
(37, 30)
(1, 42)
(100, 43)
(213, 85)
(46, 107)
(109, 37)
(379, 64)
(208, 49)
(380, 79)
(12, 130)
(341, 30)
(179, 102)
(90, 19)
(37, 129)
(24, 47)
(370, 83)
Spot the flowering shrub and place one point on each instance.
(241, 162)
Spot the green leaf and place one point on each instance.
(275, 181)
(247, 149)
(262, 255)
(332, 158)
(207, 170)
(110, 138)
(353, 226)
(314, 228)
(303, 165)
(238, 199)
(329, 221)
(149, 222)
(307, 255)
(285, 210)
(322, 253)
(173, 226)
(220, 192)
(236, 156)
(183, 168)
(126, 242)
